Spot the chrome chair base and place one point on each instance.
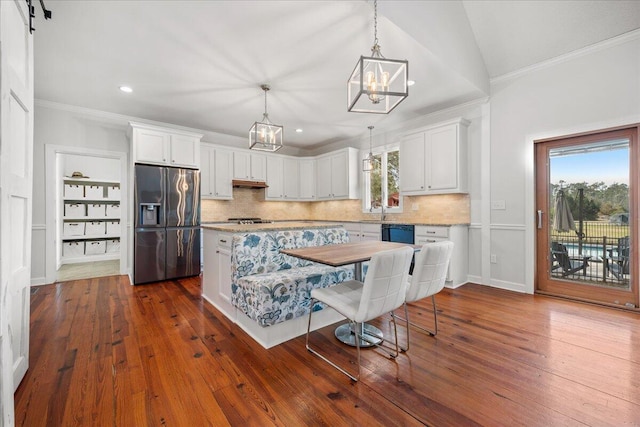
(369, 335)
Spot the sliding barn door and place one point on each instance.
(16, 176)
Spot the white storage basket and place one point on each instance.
(113, 211)
(94, 192)
(96, 210)
(95, 228)
(73, 229)
(74, 210)
(74, 191)
(113, 246)
(72, 249)
(113, 192)
(113, 227)
(95, 247)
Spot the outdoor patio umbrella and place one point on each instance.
(563, 219)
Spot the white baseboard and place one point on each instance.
(508, 286)
(38, 281)
(270, 336)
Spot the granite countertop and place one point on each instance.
(377, 221)
(285, 225)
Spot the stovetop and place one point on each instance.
(249, 220)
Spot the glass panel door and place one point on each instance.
(586, 193)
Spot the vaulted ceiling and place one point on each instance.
(200, 64)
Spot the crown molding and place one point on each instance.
(112, 117)
(606, 44)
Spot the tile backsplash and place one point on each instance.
(436, 209)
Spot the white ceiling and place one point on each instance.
(200, 64)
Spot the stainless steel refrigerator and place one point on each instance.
(167, 227)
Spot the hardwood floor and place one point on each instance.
(104, 353)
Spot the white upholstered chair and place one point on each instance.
(428, 278)
(383, 290)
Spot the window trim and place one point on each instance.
(366, 194)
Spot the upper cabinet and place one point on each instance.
(307, 179)
(337, 175)
(249, 166)
(434, 160)
(164, 146)
(215, 172)
(282, 178)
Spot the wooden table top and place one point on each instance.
(344, 253)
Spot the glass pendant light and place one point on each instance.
(264, 135)
(377, 84)
(367, 162)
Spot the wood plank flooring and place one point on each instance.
(104, 353)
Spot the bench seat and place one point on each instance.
(269, 298)
(270, 287)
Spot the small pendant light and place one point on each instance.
(367, 162)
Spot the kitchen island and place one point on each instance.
(265, 292)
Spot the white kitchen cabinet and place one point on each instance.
(459, 235)
(290, 178)
(90, 220)
(249, 166)
(215, 172)
(282, 178)
(359, 232)
(207, 161)
(275, 189)
(164, 146)
(307, 179)
(216, 275)
(337, 175)
(434, 160)
(222, 174)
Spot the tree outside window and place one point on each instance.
(383, 182)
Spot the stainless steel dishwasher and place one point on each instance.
(401, 233)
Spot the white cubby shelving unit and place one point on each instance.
(91, 220)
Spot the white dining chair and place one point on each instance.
(383, 290)
(428, 278)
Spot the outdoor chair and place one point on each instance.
(618, 264)
(569, 265)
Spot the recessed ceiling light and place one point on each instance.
(298, 130)
(410, 82)
(126, 89)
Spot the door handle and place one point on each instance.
(539, 219)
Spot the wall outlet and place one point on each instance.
(414, 206)
(498, 205)
(494, 259)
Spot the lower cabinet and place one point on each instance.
(216, 276)
(459, 235)
(359, 231)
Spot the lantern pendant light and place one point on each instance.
(367, 162)
(377, 84)
(264, 135)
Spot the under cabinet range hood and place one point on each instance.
(248, 184)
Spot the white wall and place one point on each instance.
(71, 129)
(593, 89)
